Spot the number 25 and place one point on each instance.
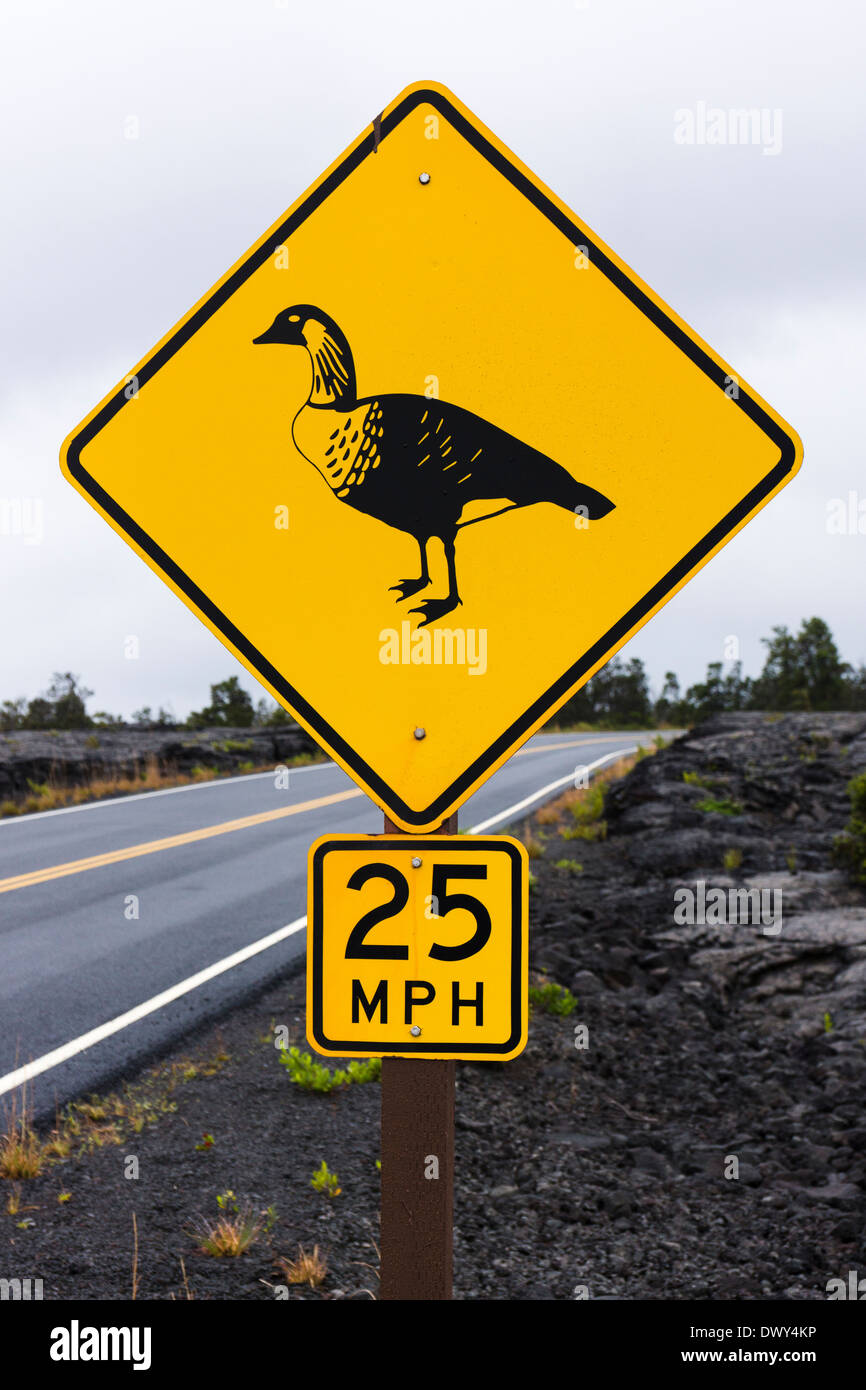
(357, 949)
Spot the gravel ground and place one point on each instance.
(597, 1171)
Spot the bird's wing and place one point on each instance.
(476, 458)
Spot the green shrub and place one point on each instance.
(323, 1180)
(850, 846)
(694, 779)
(587, 813)
(722, 808)
(553, 999)
(569, 866)
(313, 1076)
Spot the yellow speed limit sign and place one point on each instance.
(417, 947)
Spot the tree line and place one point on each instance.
(802, 671)
(64, 706)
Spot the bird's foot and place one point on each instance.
(434, 608)
(407, 587)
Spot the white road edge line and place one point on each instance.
(48, 1060)
(511, 811)
(115, 1025)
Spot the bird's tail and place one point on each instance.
(550, 482)
(593, 505)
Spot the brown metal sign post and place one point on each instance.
(417, 1169)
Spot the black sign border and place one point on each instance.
(461, 787)
(315, 944)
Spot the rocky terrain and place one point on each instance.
(73, 758)
(709, 1141)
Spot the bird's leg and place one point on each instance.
(433, 608)
(407, 587)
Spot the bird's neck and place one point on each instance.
(333, 369)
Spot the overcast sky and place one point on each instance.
(107, 241)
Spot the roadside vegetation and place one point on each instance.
(151, 776)
(234, 1230)
(92, 1121)
(325, 1182)
(308, 1268)
(578, 814)
(313, 1076)
(552, 999)
(850, 847)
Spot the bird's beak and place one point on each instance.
(269, 336)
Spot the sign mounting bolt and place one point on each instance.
(423, 178)
(416, 862)
(415, 1031)
(420, 733)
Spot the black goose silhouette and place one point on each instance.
(410, 461)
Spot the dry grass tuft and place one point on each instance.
(21, 1151)
(309, 1268)
(150, 776)
(534, 847)
(581, 808)
(229, 1235)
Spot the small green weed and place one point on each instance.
(323, 1180)
(553, 999)
(569, 866)
(850, 847)
(313, 1076)
(722, 808)
(587, 812)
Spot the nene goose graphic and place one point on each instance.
(409, 461)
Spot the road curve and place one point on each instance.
(125, 923)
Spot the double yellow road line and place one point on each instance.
(116, 856)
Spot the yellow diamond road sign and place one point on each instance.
(428, 455)
(417, 947)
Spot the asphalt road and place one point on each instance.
(98, 919)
